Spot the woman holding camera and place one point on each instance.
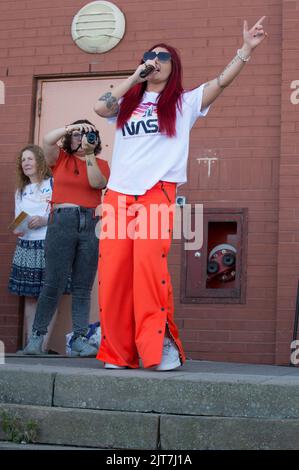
(71, 242)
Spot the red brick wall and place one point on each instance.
(288, 238)
(243, 128)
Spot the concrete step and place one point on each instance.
(203, 405)
(6, 445)
(121, 430)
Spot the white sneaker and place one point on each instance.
(34, 345)
(81, 347)
(170, 356)
(113, 366)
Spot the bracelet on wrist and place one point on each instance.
(241, 56)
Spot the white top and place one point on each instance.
(142, 156)
(35, 200)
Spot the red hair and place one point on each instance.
(169, 98)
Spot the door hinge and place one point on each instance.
(39, 107)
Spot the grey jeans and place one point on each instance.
(71, 246)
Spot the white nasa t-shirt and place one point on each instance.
(142, 156)
(35, 200)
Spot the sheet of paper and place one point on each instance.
(20, 223)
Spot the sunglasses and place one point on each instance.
(161, 56)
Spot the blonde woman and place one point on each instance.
(33, 193)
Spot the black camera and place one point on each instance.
(91, 137)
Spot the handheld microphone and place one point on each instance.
(148, 69)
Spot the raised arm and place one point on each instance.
(252, 38)
(50, 147)
(107, 104)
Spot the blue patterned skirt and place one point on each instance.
(28, 269)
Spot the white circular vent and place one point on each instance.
(98, 27)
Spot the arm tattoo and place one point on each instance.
(235, 59)
(111, 102)
(219, 82)
(221, 76)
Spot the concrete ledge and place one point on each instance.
(23, 386)
(197, 389)
(203, 396)
(204, 405)
(202, 433)
(88, 428)
(7, 445)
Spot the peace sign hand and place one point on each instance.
(254, 36)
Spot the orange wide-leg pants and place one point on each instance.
(135, 292)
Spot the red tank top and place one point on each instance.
(71, 182)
